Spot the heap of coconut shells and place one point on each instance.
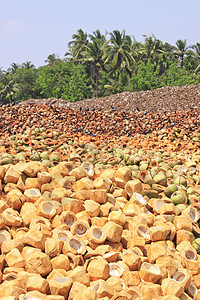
(89, 211)
(165, 99)
(74, 230)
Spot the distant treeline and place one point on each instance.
(98, 65)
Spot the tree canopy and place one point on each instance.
(97, 65)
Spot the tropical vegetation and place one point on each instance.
(97, 65)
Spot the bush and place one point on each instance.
(63, 80)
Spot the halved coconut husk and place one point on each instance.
(137, 251)
(88, 168)
(4, 236)
(12, 217)
(111, 256)
(32, 194)
(96, 235)
(192, 213)
(19, 233)
(79, 228)
(103, 157)
(194, 200)
(190, 254)
(89, 157)
(150, 193)
(10, 276)
(192, 290)
(153, 164)
(75, 260)
(133, 186)
(182, 169)
(143, 232)
(68, 218)
(61, 279)
(160, 178)
(74, 245)
(91, 253)
(158, 187)
(40, 220)
(43, 177)
(115, 269)
(182, 276)
(149, 272)
(156, 204)
(46, 209)
(138, 199)
(61, 234)
(195, 229)
(148, 216)
(69, 165)
(75, 157)
(134, 292)
(145, 177)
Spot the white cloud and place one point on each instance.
(11, 26)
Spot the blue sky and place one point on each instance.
(30, 30)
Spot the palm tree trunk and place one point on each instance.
(182, 56)
(97, 84)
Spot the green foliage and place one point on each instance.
(77, 45)
(63, 80)
(176, 76)
(118, 54)
(19, 83)
(26, 81)
(145, 79)
(92, 56)
(98, 65)
(7, 90)
(181, 50)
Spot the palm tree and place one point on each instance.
(113, 86)
(138, 52)
(14, 67)
(168, 48)
(153, 47)
(181, 50)
(162, 63)
(77, 46)
(98, 36)
(52, 59)
(8, 90)
(117, 52)
(196, 48)
(93, 55)
(28, 65)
